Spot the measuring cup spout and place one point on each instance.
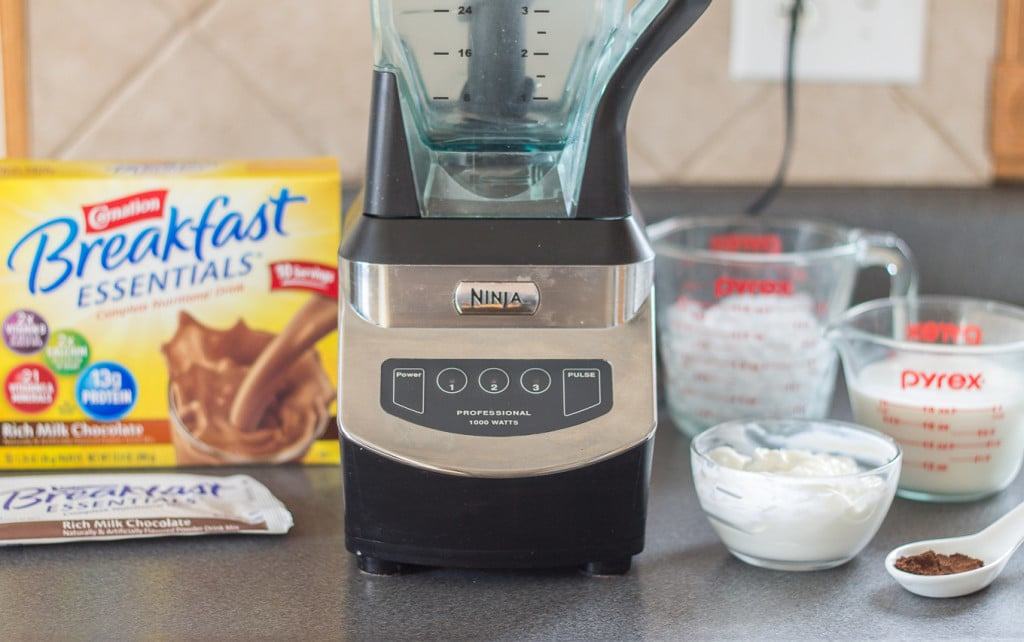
(839, 335)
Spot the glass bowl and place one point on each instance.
(793, 523)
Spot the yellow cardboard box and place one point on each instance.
(162, 314)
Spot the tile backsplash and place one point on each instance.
(232, 78)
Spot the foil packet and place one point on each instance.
(54, 509)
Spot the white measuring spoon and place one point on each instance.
(994, 546)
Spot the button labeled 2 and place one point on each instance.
(494, 381)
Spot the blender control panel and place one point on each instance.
(496, 397)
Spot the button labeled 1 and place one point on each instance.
(452, 381)
(581, 390)
(409, 389)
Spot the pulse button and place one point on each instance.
(494, 381)
(581, 390)
(535, 381)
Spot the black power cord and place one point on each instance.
(769, 195)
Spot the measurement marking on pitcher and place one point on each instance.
(997, 412)
(953, 445)
(929, 466)
(978, 459)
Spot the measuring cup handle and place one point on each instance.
(879, 249)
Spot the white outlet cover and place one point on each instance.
(856, 41)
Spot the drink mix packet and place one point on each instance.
(79, 508)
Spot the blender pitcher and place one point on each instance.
(742, 305)
(502, 100)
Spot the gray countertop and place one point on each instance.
(684, 585)
(304, 585)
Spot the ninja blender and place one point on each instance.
(497, 379)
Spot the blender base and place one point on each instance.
(398, 517)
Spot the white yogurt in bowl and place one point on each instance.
(795, 494)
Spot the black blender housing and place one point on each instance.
(603, 232)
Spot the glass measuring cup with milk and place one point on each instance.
(742, 306)
(944, 376)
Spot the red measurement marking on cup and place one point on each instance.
(745, 401)
(754, 243)
(952, 445)
(977, 459)
(739, 336)
(996, 412)
(943, 332)
(930, 466)
(736, 399)
(706, 360)
(939, 427)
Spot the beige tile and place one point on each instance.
(686, 99)
(846, 134)
(284, 77)
(183, 9)
(80, 52)
(190, 105)
(312, 58)
(644, 169)
(962, 39)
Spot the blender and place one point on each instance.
(497, 382)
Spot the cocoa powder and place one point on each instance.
(932, 563)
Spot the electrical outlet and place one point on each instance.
(867, 41)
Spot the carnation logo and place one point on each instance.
(111, 215)
(302, 275)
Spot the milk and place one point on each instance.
(960, 420)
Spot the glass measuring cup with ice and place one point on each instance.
(742, 307)
(944, 376)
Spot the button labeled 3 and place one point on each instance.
(535, 381)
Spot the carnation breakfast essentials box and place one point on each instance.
(163, 314)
